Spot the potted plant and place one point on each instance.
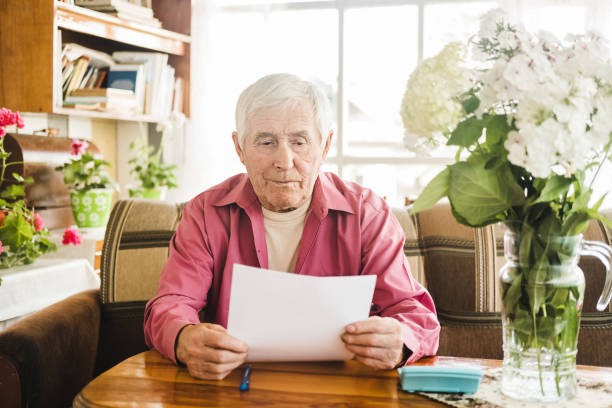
(23, 236)
(531, 121)
(155, 177)
(91, 189)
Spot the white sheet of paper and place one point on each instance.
(288, 317)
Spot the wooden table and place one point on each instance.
(148, 379)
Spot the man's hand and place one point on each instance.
(376, 342)
(209, 352)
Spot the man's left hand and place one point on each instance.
(376, 342)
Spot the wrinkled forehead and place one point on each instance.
(282, 119)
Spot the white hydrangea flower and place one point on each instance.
(429, 108)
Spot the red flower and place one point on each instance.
(0, 247)
(38, 222)
(78, 147)
(2, 132)
(71, 236)
(19, 120)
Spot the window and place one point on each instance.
(362, 52)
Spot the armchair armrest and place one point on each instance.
(53, 351)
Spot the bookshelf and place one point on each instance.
(33, 32)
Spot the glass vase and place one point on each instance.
(542, 292)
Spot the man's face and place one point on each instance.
(282, 154)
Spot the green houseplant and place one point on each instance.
(154, 176)
(91, 189)
(531, 119)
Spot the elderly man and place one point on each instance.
(286, 216)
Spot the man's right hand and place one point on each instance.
(209, 352)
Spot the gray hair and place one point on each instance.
(285, 91)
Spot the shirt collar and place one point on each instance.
(326, 195)
(240, 192)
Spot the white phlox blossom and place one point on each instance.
(490, 21)
(557, 95)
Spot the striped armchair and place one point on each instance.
(46, 358)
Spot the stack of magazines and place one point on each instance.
(130, 11)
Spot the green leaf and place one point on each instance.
(470, 104)
(433, 192)
(576, 223)
(512, 294)
(13, 191)
(555, 187)
(595, 215)
(466, 133)
(497, 129)
(480, 195)
(15, 230)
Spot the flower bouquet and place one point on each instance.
(531, 118)
(90, 187)
(154, 176)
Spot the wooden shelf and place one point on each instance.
(99, 24)
(33, 31)
(107, 115)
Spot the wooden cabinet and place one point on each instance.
(31, 38)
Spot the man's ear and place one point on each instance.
(237, 147)
(328, 144)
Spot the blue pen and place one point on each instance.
(246, 379)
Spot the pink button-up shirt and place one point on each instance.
(348, 231)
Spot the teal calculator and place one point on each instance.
(454, 379)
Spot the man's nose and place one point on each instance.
(283, 157)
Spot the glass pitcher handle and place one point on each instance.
(602, 252)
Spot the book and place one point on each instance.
(86, 76)
(131, 77)
(92, 78)
(116, 5)
(148, 21)
(103, 99)
(106, 92)
(177, 100)
(101, 81)
(77, 76)
(74, 51)
(153, 78)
